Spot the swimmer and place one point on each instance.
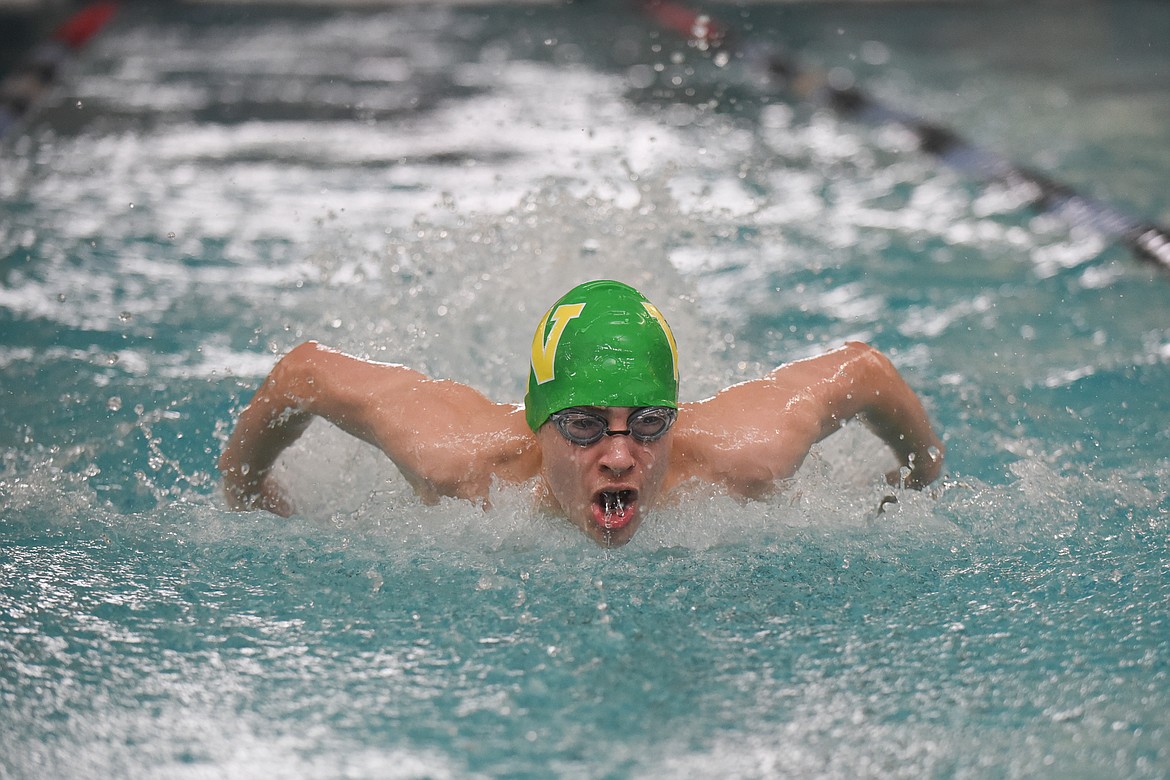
(601, 433)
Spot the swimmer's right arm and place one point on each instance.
(446, 438)
(310, 381)
(274, 419)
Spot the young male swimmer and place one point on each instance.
(601, 431)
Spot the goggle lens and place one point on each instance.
(585, 428)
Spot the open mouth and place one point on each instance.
(614, 509)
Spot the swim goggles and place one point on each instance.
(583, 428)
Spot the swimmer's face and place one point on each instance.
(604, 488)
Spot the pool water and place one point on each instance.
(211, 185)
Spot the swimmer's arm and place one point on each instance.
(754, 434)
(277, 415)
(446, 438)
(858, 381)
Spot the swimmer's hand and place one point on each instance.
(270, 423)
(243, 494)
(919, 471)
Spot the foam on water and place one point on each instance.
(808, 634)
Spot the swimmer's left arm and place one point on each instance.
(858, 381)
(751, 435)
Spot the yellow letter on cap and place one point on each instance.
(544, 350)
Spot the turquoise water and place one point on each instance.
(210, 186)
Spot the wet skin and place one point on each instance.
(448, 439)
(604, 488)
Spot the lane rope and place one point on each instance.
(1147, 240)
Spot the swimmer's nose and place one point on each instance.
(616, 455)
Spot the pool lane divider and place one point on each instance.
(34, 75)
(1147, 240)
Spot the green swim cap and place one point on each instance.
(601, 344)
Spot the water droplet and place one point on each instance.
(114, 403)
(171, 235)
(125, 316)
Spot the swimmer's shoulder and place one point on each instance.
(745, 438)
(722, 450)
